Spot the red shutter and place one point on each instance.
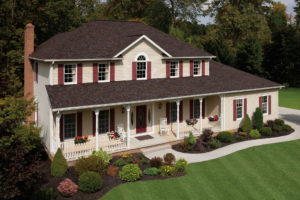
(148, 70)
(203, 67)
(60, 74)
(133, 70)
(94, 123)
(269, 107)
(168, 69)
(61, 128)
(181, 69)
(191, 109)
(79, 73)
(168, 112)
(95, 73)
(191, 68)
(181, 111)
(234, 110)
(260, 103)
(112, 71)
(245, 107)
(203, 109)
(79, 124)
(112, 119)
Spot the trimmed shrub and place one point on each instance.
(167, 170)
(258, 119)
(279, 122)
(130, 173)
(214, 143)
(246, 124)
(267, 131)
(192, 140)
(67, 188)
(181, 165)
(225, 136)
(243, 133)
(277, 128)
(59, 164)
(169, 159)
(141, 156)
(106, 157)
(156, 162)
(44, 193)
(153, 171)
(207, 135)
(120, 162)
(112, 171)
(286, 128)
(185, 145)
(90, 182)
(270, 123)
(239, 137)
(91, 163)
(126, 156)
(254, 134)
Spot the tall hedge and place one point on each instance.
(258, 119)
(247, 124)
(59, 164)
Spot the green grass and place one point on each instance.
(290, 98)
(264, 172)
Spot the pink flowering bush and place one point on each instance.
(67, 188)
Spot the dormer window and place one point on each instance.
(69, 73)
(141, 67)
(174, 70)
(197, 68)
(103, 72)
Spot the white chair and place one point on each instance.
(121, 131)
(163, 126)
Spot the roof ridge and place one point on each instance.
(114, 20)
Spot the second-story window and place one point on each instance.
(70, 73)
(103, 72)
(174, 71)
(197, 68)
(141, 67)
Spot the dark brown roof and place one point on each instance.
(104, 39)
(222, 79)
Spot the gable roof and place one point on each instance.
(223, 79)
(105, 39)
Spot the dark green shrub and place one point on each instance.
(59, 164)
(169, 158)
(153, 171)
(277, 128)
(192, 140)
(90, 182)
(267, 131)
(214, 143)
(225, 136)
(181, 165)
(144, 161)
(106, 157)
(91, 163)
(207, 135)
(239, 137)
(246, 124)
(254, 134)
(130, 173)
(120, 162)
(286, 128)
(279, 122)
(258, 119)
(141, 156)
(270, 123)
(156, 162)
(44, 194)
(167, 170)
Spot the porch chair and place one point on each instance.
(163, 126)
(121, 131)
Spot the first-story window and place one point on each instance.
(141, 67)
(196, 109)
(239, 108)
(173, 112)
(103, 72)
(174, 71)
(197, 68)
(69, 126)
(103, 121)
(264, 103)
(70, 73)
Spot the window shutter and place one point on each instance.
(61, 128)
(191, 109)
(181, 69)
(245, 107)
(148, 70)
(260, 103)
(94, 123)
(203, 67)
(60, 74)
(181, 111)
(112, 119)
(234, 110)
(133, 70)
(79, 73)
(112, 71)
(79, 124)
(191, 68)
(269, 106)
(203, 109)
(95, 73)
(168, 69)
(168, 112)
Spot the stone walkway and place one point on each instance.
(291, 116)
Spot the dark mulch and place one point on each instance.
(145, 137)
(201, 147)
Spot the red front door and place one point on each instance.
(141, 121)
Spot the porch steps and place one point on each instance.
(157, 148)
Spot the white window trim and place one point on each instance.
(177, 67)
(200, 63)
(108, 120)
(243, 107)
(146, 61)
(265, 95)
(75, 78)
(108, 78)
(69, 139)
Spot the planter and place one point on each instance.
(81, 140)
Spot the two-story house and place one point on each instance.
(129, 77)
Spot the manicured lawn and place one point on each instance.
(290, 98)
(264, 172)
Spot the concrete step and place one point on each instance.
(157, 148)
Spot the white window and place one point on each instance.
(196, 109)
(197, 68)
(70, 73)
(103, 121)
(173, 112)
(174, 70)
(69, 126)
(265, 105)
(141, 67)
(103, 72)
(239, 108)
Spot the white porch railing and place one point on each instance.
(114, 145)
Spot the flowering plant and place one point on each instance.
(79, 139)
(191, 122)
(113, 135)
(67, 188)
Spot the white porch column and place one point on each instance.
(51, 135)
(128, 125)
(97, 128)
(177, 132)
(222, 97)
(58, 116)
(200, 115)
(153, 117)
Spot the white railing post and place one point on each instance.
(200, 115)
(97, 128)
(178, 106)
(58, 116)
(128, 125)
(222, 112)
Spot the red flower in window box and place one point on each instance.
(79, 139)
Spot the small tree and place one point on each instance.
(246, 124)
(258, 119)
(59, 164)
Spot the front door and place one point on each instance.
(141, 121)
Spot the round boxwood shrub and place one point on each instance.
(153, 171)
(258, 119)
(59, 164)
(90, 182)
(246, 124)
(167, 170)
(169, 158)
(277, 128)
(279, 122)
(266, 131)
(225, 136)
(254, 134)
(214, 143)
(44, 193)
(92, 163)
(286, 128)
(130, 173)
(181, 165)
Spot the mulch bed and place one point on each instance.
(200, 147)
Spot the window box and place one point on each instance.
(80, 140)
(113, 135)
(191, 122)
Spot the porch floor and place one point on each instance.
(157, 139)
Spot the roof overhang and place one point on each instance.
(75, 60)
(188, 58)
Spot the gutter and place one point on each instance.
(192, 57)
(72, 60)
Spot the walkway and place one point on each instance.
(291, 116)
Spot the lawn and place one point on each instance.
(264, 172)
(290, 98)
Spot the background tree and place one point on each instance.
(277, 18)
(297, 11)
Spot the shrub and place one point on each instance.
(67, 188)
(207, 135)
(156, 162)
(279, 122)
(191, 139)
(91, 163)
(239, 137)
(130, 173)
(153, 171)
(258, 119)
(181, 165)
(286, 128)
(225, 136)
(246, 124)
(267, 131)
(44, 194)
(254, 134)
(167, 170)
(126, 156)
(214, 143)
(59, 164)
(90, 182)
(106, 157)
(141, 156)
(120, 162)
(169, 158)
(144, 161)
(112, 171)
(270, 123)
(277, 128)
(185, 145)
(243, 133)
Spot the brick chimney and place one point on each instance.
(28, 66)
